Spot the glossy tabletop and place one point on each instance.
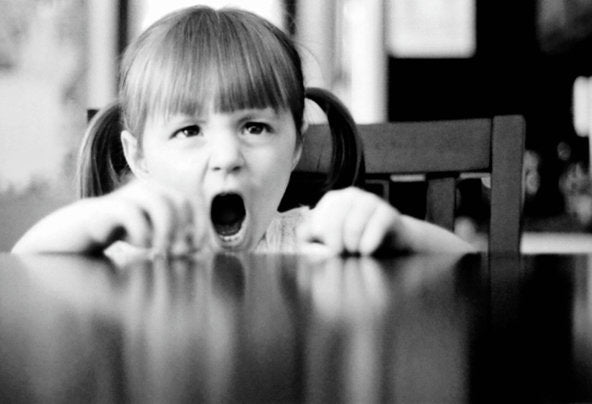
(271, 328)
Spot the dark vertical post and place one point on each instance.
(123, 26)
(505, 228)
(290, 7)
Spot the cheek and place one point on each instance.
(280, 159)
(275, 170)
(177, 171)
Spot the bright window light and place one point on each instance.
(431, 28)
(582, 105)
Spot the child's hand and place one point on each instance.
(358, 222)
(146, 214)
(141, 213)
(352, 221)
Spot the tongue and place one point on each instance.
(228, 213)
(227, 230)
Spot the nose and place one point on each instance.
(226, 154)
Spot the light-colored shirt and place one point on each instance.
(281, 235)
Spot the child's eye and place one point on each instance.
(188, 131)
(256, 128)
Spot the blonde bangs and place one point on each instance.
(226, 56)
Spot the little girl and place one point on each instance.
(211, 103)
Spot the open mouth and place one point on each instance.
(228, 215)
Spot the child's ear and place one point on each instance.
(133, 154)
(299, 146)
(297, 153)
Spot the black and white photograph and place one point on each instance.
(282, 201)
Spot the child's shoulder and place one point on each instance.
(286, 223)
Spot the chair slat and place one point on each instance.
(441, 201)
(392, 147)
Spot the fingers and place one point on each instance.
(351, 221)
(131, 223)
(168, 213)
(154, 217)
(327, 223)
(357, 223)
(381, 225)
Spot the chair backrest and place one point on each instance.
(442, 151)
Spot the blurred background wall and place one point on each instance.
(43, 72)
(386, 59)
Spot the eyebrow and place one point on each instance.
(252, 113)
(246, 114)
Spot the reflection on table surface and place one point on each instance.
(289, 328)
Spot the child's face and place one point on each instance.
(247, 155)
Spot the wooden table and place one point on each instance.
(287, 328)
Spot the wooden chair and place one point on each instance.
(441, 151)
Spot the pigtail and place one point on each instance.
(346, 166)
(347, 160)
(101, 164)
